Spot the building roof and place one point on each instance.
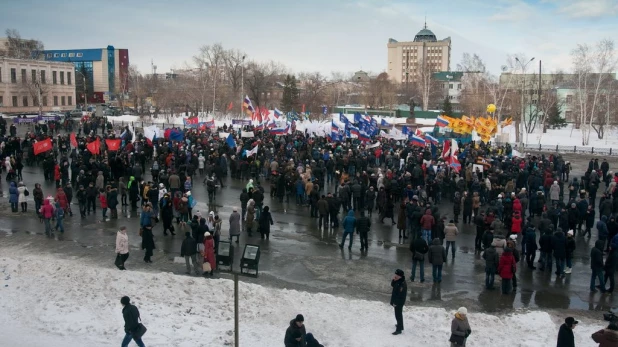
(425, 35)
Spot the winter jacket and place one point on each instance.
(450, 232)
(545, 242)
(507, 265)
(289, 339)
(122, 243)
(558, 245)
(499, 243)
(570, 247)
(235, 224)
(596, 256)
(488, 239)
(516, 224)
(47, 210)
(611, 263)
(529, 240)
(427, 221)
(323, 207)
(460, 327)
(602, 228)
(554, 191)
(400, 290)
(492, 259)
(363, 224)
(130, 313)
(189, 247)
(606, 338)
(349, 222)
(437, 254)
(419, 248)
(565, 336)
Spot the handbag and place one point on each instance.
(118, 261)
(26, 192)
(456, 339)
(140, 331)
(206, 267)
(141, 231)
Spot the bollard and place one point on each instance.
(574, 149)
(592, 150)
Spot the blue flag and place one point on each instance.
(230, 141)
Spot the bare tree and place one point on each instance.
(313, 91)
(234, 60)
(593, 71)
(423, 78)
(380, 92)
(37, 88)
(210, 64)
(18, 48)
(260, 77)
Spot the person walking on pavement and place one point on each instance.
(596, 265)
(611, 263)
(363, 224)
(565, 333)
(419, 248)
(131, 316)
(450, 234)
(323, 211)
(437, 258)
(427, 223)
(47, 212)
(492, 259)
(349, 223)
(188, 250)
(460, 328)
(122, 247)
(506, 269)
(398, 298)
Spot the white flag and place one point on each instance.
(253, 151)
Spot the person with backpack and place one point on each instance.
(419, 248)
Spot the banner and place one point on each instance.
(73, 140)
(153, 132)
(42, 146)
(241, 122)
(191, 121)
(94, 147)
(247, 134)
(377, 144)
(113, 144)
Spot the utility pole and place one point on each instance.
(242, 83)
(523, 107)
(236, 342)
(538, 101)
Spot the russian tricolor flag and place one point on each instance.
(417, 141)
(353, 130)
(431, 139)
(280, 131)
(278, 113)
(442, 122)
(363, 136)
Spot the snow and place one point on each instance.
(567, 137)
(63, 301)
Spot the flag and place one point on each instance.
(230, 106)
(42, 146)
(442, 122)
(278, 113)
(446, 150)
(280, 131)
(73, 140)
(385, 123)
(152, 132)
(303, 110)
(210, 124)
(334, 128)
(95, 146)
(230, 141)
(353, 130)
(453, 162)
(253, 151)
(417, 141)
(363, 136)
(343, 119)
(405, 130)
(176, 135)
(431, 139)
(259, 127)
(113, 144)
(191, 121)
(247, 106)
(357, 117)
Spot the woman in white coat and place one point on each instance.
(22, 199)
(122, 247)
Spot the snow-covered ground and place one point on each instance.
(58, 301)
(567, 136)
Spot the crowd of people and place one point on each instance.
(518, 205)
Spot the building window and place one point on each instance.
(79, 55)
(23, 75)
(44, 101)
(69, 78)
(62, 100)
(568, 115)
(35, 101)
(569, 99)
(459, 86)
(33, 75)
(71, 55)
(55, 100)
(69, 100)
(450, 86)
(56, 55)
(0, 75)
(43, 77)
(55, 78)
(15, 101)
(61, 77)
(63, 55)
(24, 101)
(1, 101)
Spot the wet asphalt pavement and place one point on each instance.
(299, 255)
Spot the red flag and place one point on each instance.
(113, 145)
(258, 115)
(230, 106)
(94, 147)
(73, 140)
(42, 146)
(303, 108)
(192, 121)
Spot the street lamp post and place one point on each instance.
(242, 83)
(523, 108)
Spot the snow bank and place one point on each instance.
(567, 136)
(65, 302)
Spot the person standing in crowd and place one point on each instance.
(596, 265)
(147, 237)
(450, 235)
(460, 328)
(506, 269)
(209, 254)
(23, 199)
(611, 264)
(122, 247)
(427, 223)
(235, 224)
(607, 337)
(188, 250)
(266, 220)
(419, 248)
(47, 213)
(566, 338)
(363, 224)
(349, 223)
(492, 259)
(437, 258)
(398, 298)
(131, 316)
(570, 250)
(295, 334)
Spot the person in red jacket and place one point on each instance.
(427, 222)
(57, 175)
(61, 197)
(516, 223)
(506, 269)
(103, 201)
(47, 212)
(516, 204)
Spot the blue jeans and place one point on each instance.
(547, 260)
(569, 262)
(421, 264)
(60, 224)
(47, 225)
(127, 339)
(426, 235)
(345, 235)
(448, 244)
(490, 275)
(559, 265)
(437, 273)
(597, 274)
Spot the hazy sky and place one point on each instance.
(316, 35)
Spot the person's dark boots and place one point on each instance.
(397, 332)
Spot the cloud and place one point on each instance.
(586, 8)
(516, 11)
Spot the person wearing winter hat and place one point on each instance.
(131, 316)
(607, 337)
(570, 249)
(295, 334)
(210, 262)
(188, 250)
(398, 298)
(460, 328)
(565, 334)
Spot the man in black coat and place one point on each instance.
(130, 313)
(398, 298)
(363, 224)
(596, 265)
(565, 334)
(558, 245)
(295, 334)
(189, 250)
(419, 248)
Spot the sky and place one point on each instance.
(316, 35)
